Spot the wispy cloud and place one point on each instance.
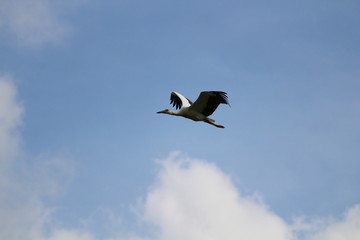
(20, 214)
(31, 22)
(10, 118)
(190, 199)
(71, 235)
(23, 213)
(346, 228)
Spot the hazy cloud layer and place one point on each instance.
(190, 199)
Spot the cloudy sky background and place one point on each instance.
(84, 156)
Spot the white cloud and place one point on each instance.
(32, 22)
(194, 200)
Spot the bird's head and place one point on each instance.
(166, 111)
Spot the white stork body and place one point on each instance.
(203, 107)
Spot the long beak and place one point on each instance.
(163, 111)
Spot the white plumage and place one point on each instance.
(204, 106)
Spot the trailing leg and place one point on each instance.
(216, 125)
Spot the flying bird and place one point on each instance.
(204, 106)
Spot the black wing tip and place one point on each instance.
(174, 100)
(222, 96)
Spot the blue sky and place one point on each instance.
(85, 156)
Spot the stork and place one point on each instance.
(204, 106)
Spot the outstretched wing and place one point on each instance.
(179, 101)
(208, 101)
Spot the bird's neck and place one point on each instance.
(171, 112)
